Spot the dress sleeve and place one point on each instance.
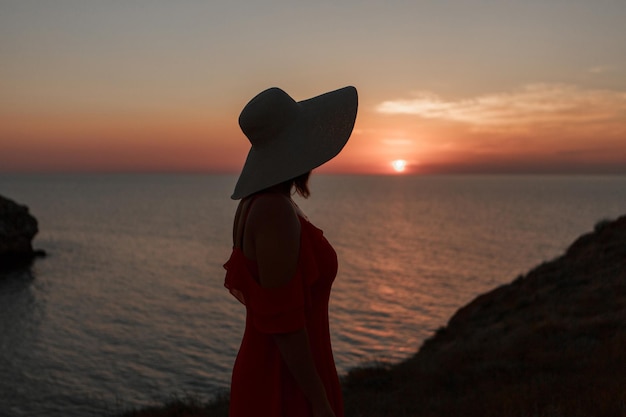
(278, 310)
(273, 310)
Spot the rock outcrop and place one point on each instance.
(556, 305)
(551, 343)
(17, 230)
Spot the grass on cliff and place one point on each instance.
(185, 406)
(549, 384)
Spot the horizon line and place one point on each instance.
(325, 173)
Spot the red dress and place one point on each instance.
(261, 383)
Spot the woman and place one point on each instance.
(282, 268)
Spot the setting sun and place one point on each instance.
(399, 165)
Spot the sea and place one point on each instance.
(129, 309)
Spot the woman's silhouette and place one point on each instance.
(281, 267)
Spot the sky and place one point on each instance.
(466, 86)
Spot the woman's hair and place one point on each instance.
(301, 183)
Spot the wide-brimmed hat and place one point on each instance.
(290, 138)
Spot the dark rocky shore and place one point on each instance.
(17, 231)
(550, 344)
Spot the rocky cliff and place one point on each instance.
(551, 343)
(557, 305)
(17, 230)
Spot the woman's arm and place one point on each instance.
(274, 237)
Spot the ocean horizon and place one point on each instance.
(129, 306)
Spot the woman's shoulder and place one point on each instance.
(272, 208)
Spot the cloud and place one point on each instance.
(532, 107)
(600, 70)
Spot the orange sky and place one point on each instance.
(535, 87)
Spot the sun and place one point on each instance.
(399, 165)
